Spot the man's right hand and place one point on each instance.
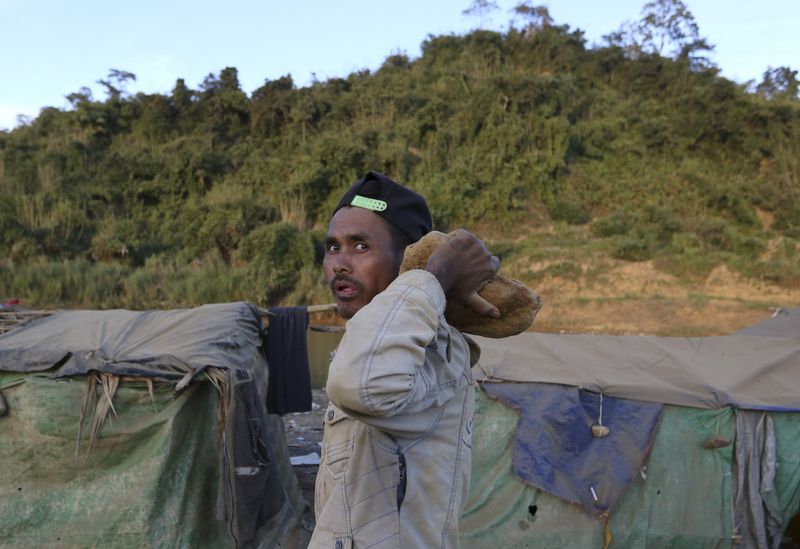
(463, 265)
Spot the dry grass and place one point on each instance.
(217, 377)
(98, 404)
(627, 298)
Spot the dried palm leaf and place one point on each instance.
(217, 376)
(149, 383)
(110, 384)
(103, 406)
(88, 400)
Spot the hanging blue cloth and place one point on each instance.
(555, 450)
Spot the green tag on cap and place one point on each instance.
(368, 203)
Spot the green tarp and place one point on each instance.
(150, 480)
(682, 497)
(194, 464)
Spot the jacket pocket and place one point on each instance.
(336, 458)
(339, 442)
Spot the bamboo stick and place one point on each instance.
(311, 309)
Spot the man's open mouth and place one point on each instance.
(344, 290)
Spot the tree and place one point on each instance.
(181, 95)
(537, 17)
(666, 27)
(481, 9)
(82, 96)
(780, 83)
(224, 106)
(667, 23)
(271, 105)
(116, 81)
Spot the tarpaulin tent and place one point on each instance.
(136, 429)
(703, 447)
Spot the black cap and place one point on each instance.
(395, 203)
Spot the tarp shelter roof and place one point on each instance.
(171, 345)
(749, 370)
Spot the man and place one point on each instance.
(396, 449)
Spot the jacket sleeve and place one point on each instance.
(393, 356)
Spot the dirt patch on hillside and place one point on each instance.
(637, 298)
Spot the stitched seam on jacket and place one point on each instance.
(375, 519)
(366, 400)
(453, 478)
(397, 534)
(365, 473)
(343, 487)
(374, 495)
(432, 300)
(427, 433)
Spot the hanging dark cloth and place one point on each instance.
(289, 388)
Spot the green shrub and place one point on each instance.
(24, 249)
(618, 223)
(637, 247)
(661, 223)
(787, 220)
(275, 255)
(783, 265)
(715, 234)
(569, 212)
(502, 249)
(718, 235)
(115, 241)
(564, 269)
(75, 282)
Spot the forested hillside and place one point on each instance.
(550, 149)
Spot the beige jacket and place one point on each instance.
(396, 450)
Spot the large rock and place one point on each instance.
(517, 303)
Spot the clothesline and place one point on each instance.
(12, 318)
(311, 309)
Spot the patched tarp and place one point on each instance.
(683, 494)
(680, 498)
(556, 451)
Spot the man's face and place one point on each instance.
(361, 259)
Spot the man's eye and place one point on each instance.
(361, 246)
(333, 248)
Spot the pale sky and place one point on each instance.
(51, 48)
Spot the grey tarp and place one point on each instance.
(749, 372)
(161, 344)
(758, 518)
(783, 323)
(177, 346)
